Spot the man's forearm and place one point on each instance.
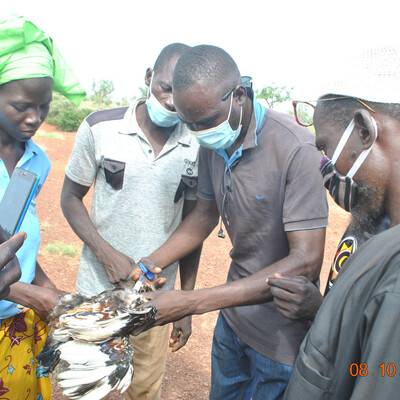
(78, 218)
(246, 291)
(188, 267)
(117, 265)
(39, 298)
(41, 278)
(22, 293)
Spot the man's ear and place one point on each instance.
(368, 131)
(147, 77)
(240, 94)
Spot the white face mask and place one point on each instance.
(221, 136)
(159, 114)
(342, 188)
(363, 155)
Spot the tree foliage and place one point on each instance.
(102, 90)
(143, 91)
(66, 115)
(274, 94)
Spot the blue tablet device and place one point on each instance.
(16, 199)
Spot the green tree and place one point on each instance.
(274, 94)
(65, 115)
(102, 90)
(143, 91)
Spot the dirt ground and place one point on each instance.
(188, 371)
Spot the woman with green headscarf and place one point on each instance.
(30, 68)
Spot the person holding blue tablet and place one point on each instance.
(30, 68)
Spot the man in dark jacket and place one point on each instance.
(352, 350)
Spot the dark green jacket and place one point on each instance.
(356, 334)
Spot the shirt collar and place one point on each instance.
(259, 111)
(131, 127)
(31, 150)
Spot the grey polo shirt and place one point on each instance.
(133, 204)
(274, 186)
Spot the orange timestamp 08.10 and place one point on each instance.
(385, 369)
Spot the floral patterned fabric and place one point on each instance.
(21, 340)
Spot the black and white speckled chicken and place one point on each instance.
(88, 348)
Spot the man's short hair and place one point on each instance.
(207, 64)
(340, 112)
(167, 53)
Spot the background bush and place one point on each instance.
(65, 115)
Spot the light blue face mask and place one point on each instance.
(221, 136)
(159, 114)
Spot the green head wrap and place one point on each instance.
(27, 52)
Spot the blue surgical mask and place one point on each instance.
(221, 136)
(159, 114)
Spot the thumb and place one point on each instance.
(276, 275)
(175, 333)
(10, 247)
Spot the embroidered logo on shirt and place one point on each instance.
(189, 165)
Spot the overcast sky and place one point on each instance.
(287, 42)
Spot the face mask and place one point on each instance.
(342, 188)
(221, 136)
(159, 114)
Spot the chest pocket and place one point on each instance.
(186, 182)
(114, 172)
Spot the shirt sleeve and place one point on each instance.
(190, 193)
(82, 165)
(379, 344)
(305, 205)
(205, 189)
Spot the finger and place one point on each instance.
(283, 304)
(10, 274)
(10, 247)
(287, 314)
(154, 270)
(176, 343)
(286, 284)
(286, 309)
(150, 266)
(295, 278)
(276, 275)
(182, 342)
(282, 294)
(159, 283)
(175, 334)
(136, 273)
(138, 330)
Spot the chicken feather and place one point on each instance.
(88, 348)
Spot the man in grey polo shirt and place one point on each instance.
(259, 171)
(143, 164)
